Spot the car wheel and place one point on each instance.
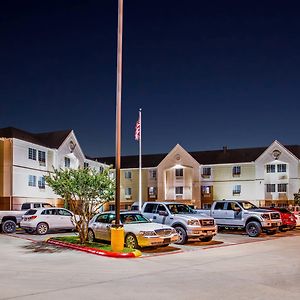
(253, 229)
(9, 226)
(206, 239)
(42, 228)
(182, 235)
(91, 236)
(131, 241)
(283, 229)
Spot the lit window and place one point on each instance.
(281, 168)
(270, 168)
(152, 192)
(41, 183)
(206, 190)
(236, 190)
(270, 188)
(179, 190)
(42, 158)
(32, 153)
(179, 172)
(236, 170)
(127, 174)
(31, 180)
(206, 171)
(67, 162)
(282, 187)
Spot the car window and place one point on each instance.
(30, 212)
(47, 205)
(133, 218)
(150, 208)
(220, 205)
(102, 218)
(49, 212)
(161, 207)
(36, 205)
(25, 206)
(63, 212)
(180, 209)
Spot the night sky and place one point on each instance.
(206, 73)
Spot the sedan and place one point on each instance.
(138, 230)
(41, 220)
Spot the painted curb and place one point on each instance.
(134, 254)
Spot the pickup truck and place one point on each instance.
(185, 220)
(10, 219)
(244, 215)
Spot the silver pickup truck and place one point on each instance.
(244, 215)
(185, 220)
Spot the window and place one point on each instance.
(127, 192)
(179, 172)
(152, 174)
(42, 158)
(161, 207)
(63, 212)
(41, 182)
(236, 171)
(25, 206)
(31, 180)
(206, 171)
(101, 169)
(270, 188)
(85, 165)
(127, 174)
(67, 162)
(206, 190)
(281, 168)
(111, 207)
(236, 190)
(49, 212)
(150, 208)
(270, 168)
(179, 190)
(220, 205)
(282, 187)
(102, 218)
(152, 192)
(32, 153)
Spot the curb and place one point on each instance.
(134, 254)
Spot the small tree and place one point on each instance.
(85, 190)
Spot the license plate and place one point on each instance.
(167, 241)
(208, 232)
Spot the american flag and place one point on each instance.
(137, 134)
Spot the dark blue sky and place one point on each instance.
(206, 73)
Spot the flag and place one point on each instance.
(137, 134)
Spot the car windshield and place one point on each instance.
(133, 219)
(180, 209)
(247, 205)
(284, 210)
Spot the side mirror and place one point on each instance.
(163, 213)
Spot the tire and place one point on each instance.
(206, 239)
(131, 241)
(253, 229)
(91, 236)
(42, 228)
(9, 226)
(283, 229)
(182, 235)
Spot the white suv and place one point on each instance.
(41, 220)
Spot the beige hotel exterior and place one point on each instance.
(264, 176)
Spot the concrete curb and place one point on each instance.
(134, 254)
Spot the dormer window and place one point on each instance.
(179, 172)
(67, 162)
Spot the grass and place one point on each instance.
(95, 245)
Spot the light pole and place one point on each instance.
(117, 232)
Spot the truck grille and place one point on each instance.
(163, 232)
(207, 222)
(275, 216)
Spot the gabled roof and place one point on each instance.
(203, 157)
(48, 139)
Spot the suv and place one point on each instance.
(29, 205)
(187, 222)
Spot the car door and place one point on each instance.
(218, 212)
(51, 217)
(149, 210)
(160, 214)
(65, 219)
(100, 227)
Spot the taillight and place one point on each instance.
(29, 218)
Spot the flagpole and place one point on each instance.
(140, 161)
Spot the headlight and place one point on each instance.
(147, 233)
(193, 222)
(265, 216)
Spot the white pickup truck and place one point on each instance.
(244, 215)
(10, 219)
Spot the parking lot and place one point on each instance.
(224, 239)
(232, 266)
